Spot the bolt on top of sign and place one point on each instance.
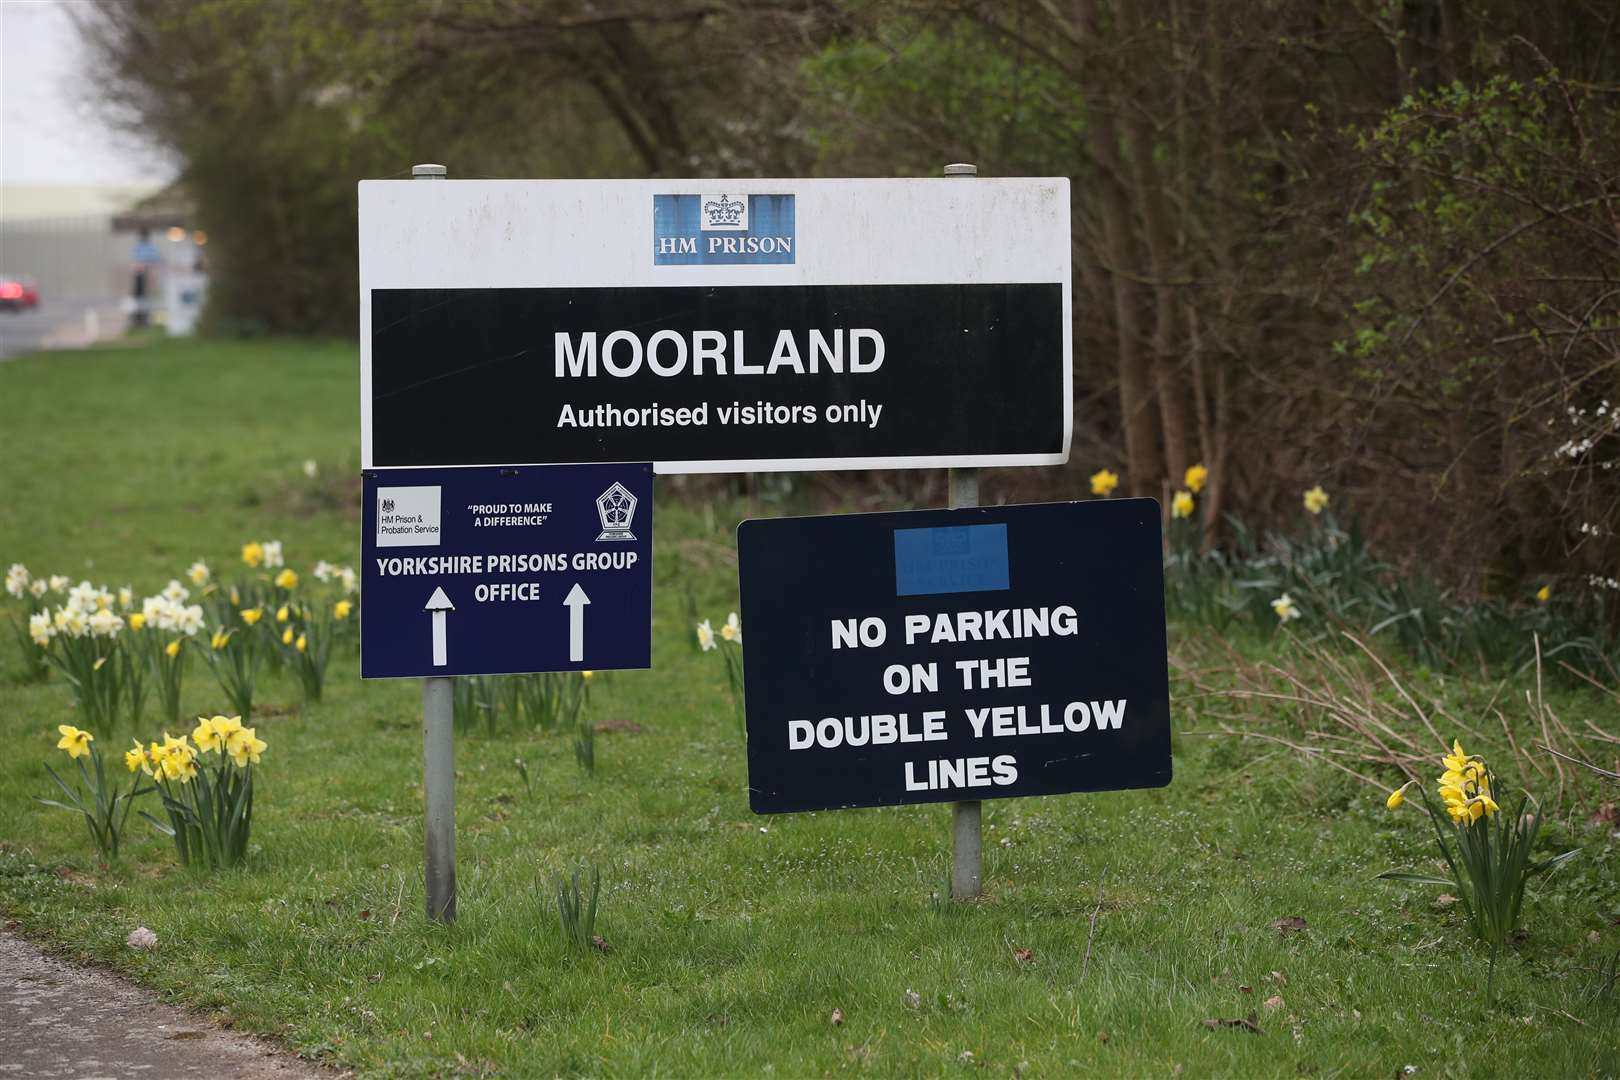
(716, 325)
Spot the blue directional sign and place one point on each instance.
(493, 571)
(943, 655)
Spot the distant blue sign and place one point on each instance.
(721, 229)
(490, 571)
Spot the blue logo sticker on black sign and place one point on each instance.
(950, 559)
(721, 229)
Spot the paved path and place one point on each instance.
(57, 1020)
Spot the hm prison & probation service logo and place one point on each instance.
(722, 229)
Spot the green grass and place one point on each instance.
(733, 938)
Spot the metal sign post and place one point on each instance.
(438, 758)
(967, 823)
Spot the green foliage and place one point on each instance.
(576, 908)
(585, 744)
(1337, 584)
(542, 701)
(104, 806)
(1489, 858)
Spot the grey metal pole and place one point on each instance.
(438, 757)
(967, 820)
(439, 797)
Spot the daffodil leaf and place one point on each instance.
(1553, 863)
(1416, 879)
(160, 826)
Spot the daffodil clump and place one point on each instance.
(103, 804)
(728, 643)
(1487, 852)
(27, 623)
(208, 801)
(278, 617)
(110, 649)
(80, 638)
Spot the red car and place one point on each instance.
(18, 292)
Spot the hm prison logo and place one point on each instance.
(724, 214)
(387, 506)
(616, 508)
(722, 229)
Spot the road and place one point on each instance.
(58, 1020)
(70, 322)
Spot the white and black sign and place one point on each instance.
(943, 655)
(715, 326)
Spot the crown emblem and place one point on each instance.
(723, 211)
(388, 506)
(616, 508)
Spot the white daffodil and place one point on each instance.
(16, 579)
(199, 573)
(323, 571)
(189, 620)
(732, 631)
(40, 628)
(174, 592)
(705, 635)
(83, 597)
(1285, 609)
(71, 621)
(105, 623)
(272, 554)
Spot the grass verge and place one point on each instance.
(1114, 926)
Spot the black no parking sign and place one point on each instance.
(942, 655)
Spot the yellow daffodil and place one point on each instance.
(1543, 594)
(1103, 482)
(287, 636)
(136, 759)
(204, 735)
(287, 579)
(1398, 796)
(75, 742)
(1316, 500)
(1457, 760)
(283, 613)
(1182, 505)
(302, 644)
(705, 635)
(220, 639)
(253, 554)
(172, 648)
(137, 620)
(587, 675)
(245, 746)
(252, 615)
(341, 609)
(1195, 478)
(236, 597)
